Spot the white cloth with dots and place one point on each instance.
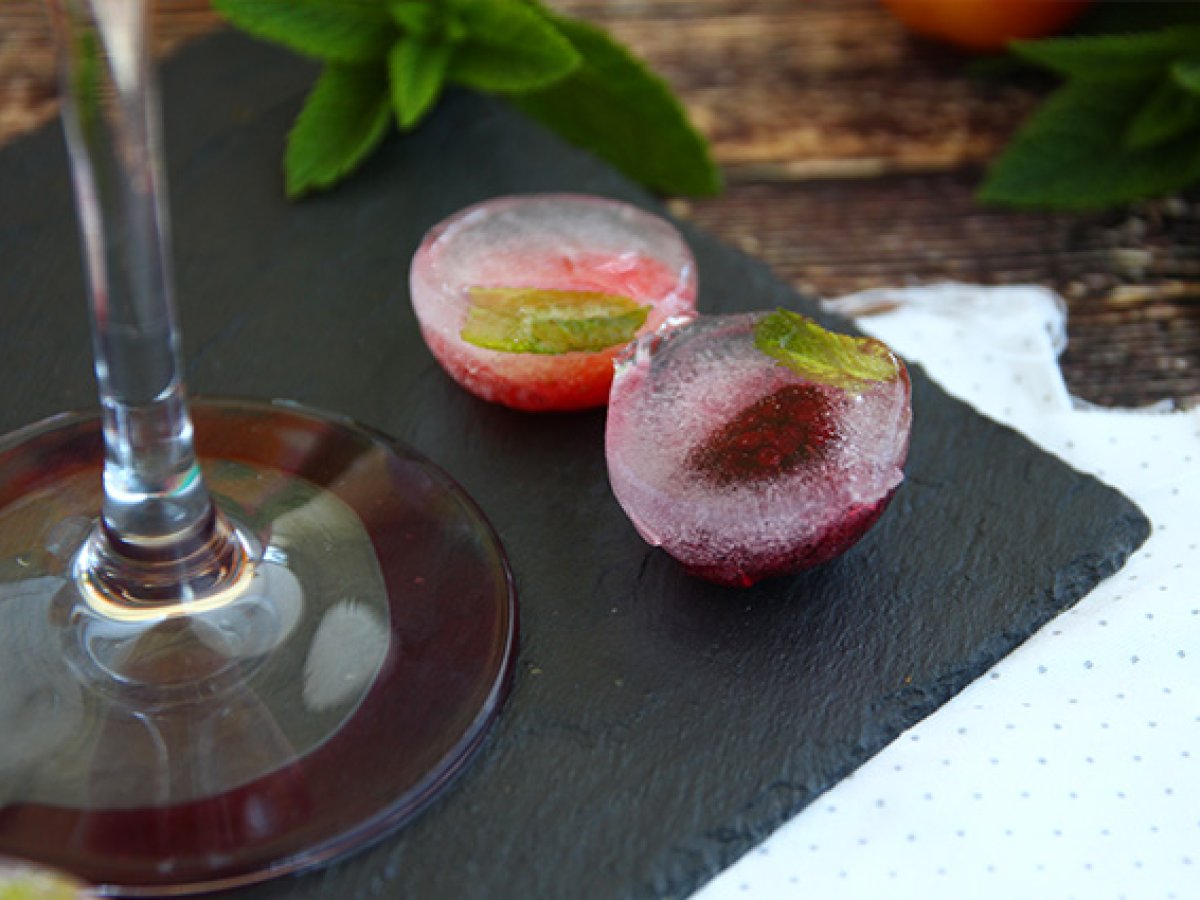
(1071, 768)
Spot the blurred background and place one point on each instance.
(852, 150)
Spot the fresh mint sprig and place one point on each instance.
(391, 61)
(1125, 126)
(625, 114)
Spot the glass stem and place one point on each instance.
(156, 509)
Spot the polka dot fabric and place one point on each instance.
(1071, 769)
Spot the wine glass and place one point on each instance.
(238, 639)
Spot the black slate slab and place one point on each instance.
(659, 725)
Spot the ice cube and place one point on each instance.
(526, 300)
(747, 452)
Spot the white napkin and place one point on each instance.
(1071, 769)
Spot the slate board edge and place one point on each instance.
(918, 703)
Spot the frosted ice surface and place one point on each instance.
(669, 403)
(559, 242)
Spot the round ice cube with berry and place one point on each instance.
(754, 445)
(526, 300)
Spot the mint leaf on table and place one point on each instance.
(616, 107)
(508, 47)
(347, 31)
(1069, 155)
(418, 17)
(342, 120)
(1168, 112)
(393, 59)
(1112, 57)
(416, 75)
(1186, 73)
(1124, 127)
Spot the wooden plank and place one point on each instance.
(28, 80)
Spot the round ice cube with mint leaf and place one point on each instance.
(755, 445)
(526, 300)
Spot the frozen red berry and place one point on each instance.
(756, 445)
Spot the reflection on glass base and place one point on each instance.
(367, 649)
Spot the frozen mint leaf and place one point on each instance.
(416, 74)
(532, 320)
(343, 118)
(508, 48)
(620, 110)
(1186, 73)
(345, 31)
(826, 357)
(1112, 57)
(1169, 112)
(1065, 156)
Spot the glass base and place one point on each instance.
(345, 680)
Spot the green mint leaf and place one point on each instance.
(1112, 58)
(1186, 73)
(345, 31)
(621, 111)
(344, 117)
(531, 320)
(1169, 112)
(1065, 157)
(826, 357)
(416, 74)
(508, 48)
(416, 16)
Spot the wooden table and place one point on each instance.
(852, 153)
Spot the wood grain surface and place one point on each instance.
(852, 152)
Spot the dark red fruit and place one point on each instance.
(772, 437)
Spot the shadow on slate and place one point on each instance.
(659, 726)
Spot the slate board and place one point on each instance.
(659, 726)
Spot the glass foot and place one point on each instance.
(355, 666)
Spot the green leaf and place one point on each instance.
(345, 31)
(620, 110)
(826, 357)
(416, 16)
(416, 74)
(1112, 57)
(531, 320)
(1065, 156)
(1169, 112)
(508, 48)
(344, 117)
(1186, 73)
